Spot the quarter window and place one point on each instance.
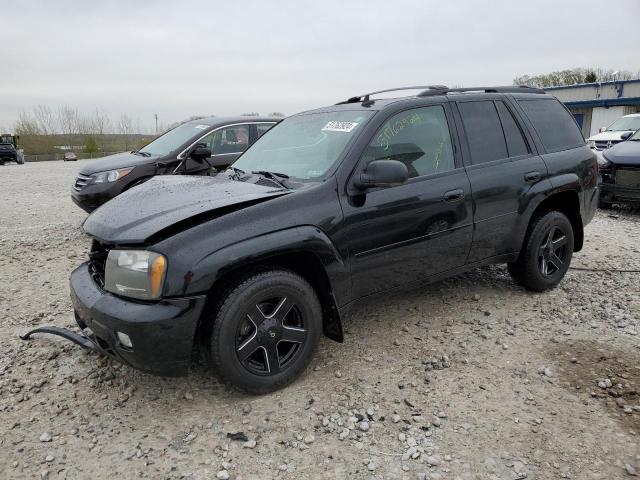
(554, 124)
(484, 131)
(419, 138)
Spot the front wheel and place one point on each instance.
(546, 255)
(265, 331)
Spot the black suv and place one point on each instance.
(191, 148)
(329, 207)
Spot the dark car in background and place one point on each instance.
(620, 172)
(333, 206)
(198, 147)
(9, 150)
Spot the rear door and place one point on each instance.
(502, 167)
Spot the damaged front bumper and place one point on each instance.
(161, 334)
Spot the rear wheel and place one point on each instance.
(546, 255)
(265, 331)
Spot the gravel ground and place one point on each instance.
(470, 378)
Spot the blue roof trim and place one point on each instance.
(605, 102)
(586, 85)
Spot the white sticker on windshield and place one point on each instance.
(202, 127)
(339, 126)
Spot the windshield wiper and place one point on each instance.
(272, 176)
(142, 154)
(237, 173)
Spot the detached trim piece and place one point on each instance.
(70, 335)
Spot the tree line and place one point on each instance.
(574, 76)
(44, 130)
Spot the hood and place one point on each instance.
(604, 136)
(119, 160)
(624, 153)
(165, 201)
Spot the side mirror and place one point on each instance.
(626, 135)
(200, 152)
(382, 173)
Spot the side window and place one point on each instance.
(484, 131)
(419, 138)
(230, 140)
(516, 143)
(263, 128)
(555, 126)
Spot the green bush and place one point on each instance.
(90, 145)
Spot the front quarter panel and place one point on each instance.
(301, 221)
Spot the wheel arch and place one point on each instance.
(566, 201)
(306, 251)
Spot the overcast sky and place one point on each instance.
(183, 58)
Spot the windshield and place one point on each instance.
(6, 139)
(625, 123)
(174, 139)
(304, 146)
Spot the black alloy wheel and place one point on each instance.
(266, 328)
(553, 251)
(271, 336)
(546, 254)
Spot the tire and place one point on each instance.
(251, 347)
(546, 255)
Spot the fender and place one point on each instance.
(259, 250)
(543, 191)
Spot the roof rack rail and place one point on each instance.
(509, 89)
(365, 97)
(431, 90)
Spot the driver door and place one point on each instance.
(406, 233)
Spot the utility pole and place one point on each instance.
(156, 116)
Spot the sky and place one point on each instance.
(184, 58)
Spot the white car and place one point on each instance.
(615, 133)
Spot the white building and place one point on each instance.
(597, 105)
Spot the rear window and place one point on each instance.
(555, 126)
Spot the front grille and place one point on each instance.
(81, 182)
(97, 260)
(628, 177)
(604, 144)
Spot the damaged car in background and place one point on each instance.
(620, 172)
(198, 147)
(336, 205)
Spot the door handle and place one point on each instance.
(453, 195)
(532, 176)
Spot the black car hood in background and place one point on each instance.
(624, 153)
(119, 160)
(139, 213)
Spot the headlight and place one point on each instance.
(591, 143)
(111, 175)
(135, 273)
